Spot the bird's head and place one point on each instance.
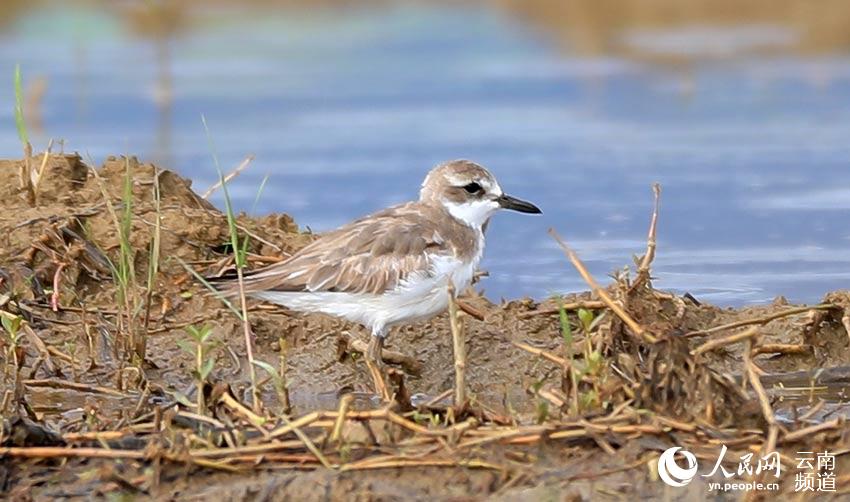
(469, 193)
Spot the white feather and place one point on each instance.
(474, 213)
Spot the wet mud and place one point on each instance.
(59, 252)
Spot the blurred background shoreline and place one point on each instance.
(741, 109)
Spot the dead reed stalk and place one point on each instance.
(587, 304)
(153, 265)
(236, 172)
(644, 269)
(459, 345)
(763, 320)
(722, 342)
(249, 344)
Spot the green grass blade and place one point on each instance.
(259, 193)
(155, 247)
(231, 219)
(127, 224)
(113, 214)
(244, 250)
(19, 106)
(566, 329)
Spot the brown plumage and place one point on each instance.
(370, 255)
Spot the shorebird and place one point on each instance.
(393, 266)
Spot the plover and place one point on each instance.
(393, 266)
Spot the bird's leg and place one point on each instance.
(374, 363)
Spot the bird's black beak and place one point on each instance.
(508, 202)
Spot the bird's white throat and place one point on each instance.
(473, 213)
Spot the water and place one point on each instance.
(348, 109)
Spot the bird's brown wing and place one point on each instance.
(370, 255)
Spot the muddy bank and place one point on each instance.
(71, 380)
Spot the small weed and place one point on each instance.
(574, 372)
(542, 410)
(204, 364)
(122, 272)
(586, 317)
(12, 327)
(126, 273)
(287, 406)
(566, 332)
(569, 379)
(420, 418)
(278, 381)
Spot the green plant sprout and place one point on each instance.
(204, 364)
(12, 326)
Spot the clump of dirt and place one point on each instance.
(78, 378)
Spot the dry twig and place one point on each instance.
(780, 348)
(813, 429)
(56, 383)
(459, 345)
(722, 342)
(587, 304)
(643, 272)
(241, 167)
(762, 320)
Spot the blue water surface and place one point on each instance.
(346, 110)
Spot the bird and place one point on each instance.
(394, 266)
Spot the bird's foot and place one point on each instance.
(348, 342)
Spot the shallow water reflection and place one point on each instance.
(347, 110)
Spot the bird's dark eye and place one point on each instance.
(472, 187)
